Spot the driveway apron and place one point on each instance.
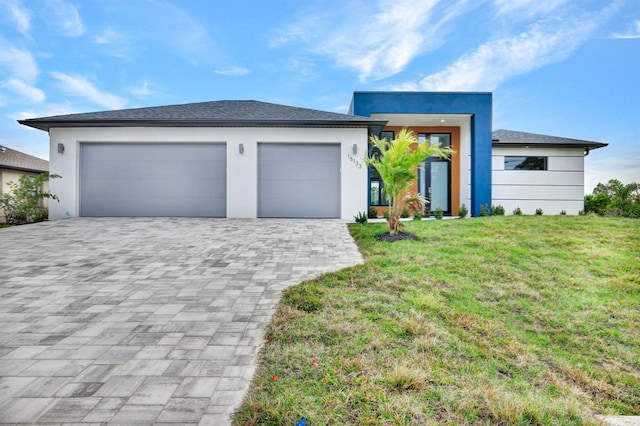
(146, 320)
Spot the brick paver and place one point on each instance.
(146, 320)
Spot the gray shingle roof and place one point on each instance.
(16, 160)
(504, 137)
(208, 114)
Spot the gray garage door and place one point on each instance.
(299, 180)
(153, 179)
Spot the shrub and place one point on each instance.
(427, 211)
(517, 211)
(438, 213)
(563, 212)
(484, 210)
(405, 213)
(386, 214)
(361, 217)
(372, 213)
(23, 202)
(614, 199)
(497, 210)
(417, 215)
(539, 212)
(462, 211)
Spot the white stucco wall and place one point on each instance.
(465, 164)
(242, 185)
(561, 187)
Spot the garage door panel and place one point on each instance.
(127, 179)
(299, 180)
(295, 207)
(295, 170)
(292, 151)
(103, 207)
(299, 188)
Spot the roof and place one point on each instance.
(504, 137)
(16, 160)
(245, 113)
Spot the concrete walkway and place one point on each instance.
(142, 320)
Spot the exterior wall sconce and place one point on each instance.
(60, 148)
(241, 148)
(354, 148)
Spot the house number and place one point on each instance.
(354, 161)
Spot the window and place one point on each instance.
(434, 176)
(525, 163)
(376, 189)
(388, 135)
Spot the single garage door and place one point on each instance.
(299, 180)
(153, 179)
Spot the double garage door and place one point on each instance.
(190, 179)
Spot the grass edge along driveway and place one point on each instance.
(497, 320)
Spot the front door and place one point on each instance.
(434, 181)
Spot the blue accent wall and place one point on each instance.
(478, 105)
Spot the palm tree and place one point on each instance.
(396, 162)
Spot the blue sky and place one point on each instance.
(559, 67)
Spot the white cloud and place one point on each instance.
(114, 43)
(633, 31)
(79, 86)
(66, 17)
(18, 63)
(108, 36)
(233, 71)
(20, 72)
(497, 60)
(521, 9)
(24, 91)
(375, 44)
(143, 90)
(19, 15)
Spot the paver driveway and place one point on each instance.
(146, 320)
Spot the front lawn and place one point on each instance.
(496, 320)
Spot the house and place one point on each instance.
(14, 164)
(247, 159)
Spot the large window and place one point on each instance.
(376, 186)
(525, 163)
(376, 189)
(434, 176)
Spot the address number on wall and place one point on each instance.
(355, 161)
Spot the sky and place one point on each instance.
(566, 68)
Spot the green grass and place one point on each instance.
(497, 320)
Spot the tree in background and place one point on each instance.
(23, 202)
(614, 199)
(396, 162)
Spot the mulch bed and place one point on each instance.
(393, 238)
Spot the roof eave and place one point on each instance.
(46, 124)
(590, 145)
(22, 169)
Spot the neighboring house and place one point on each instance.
(248, 159)
(534, 171)
(14, 164)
